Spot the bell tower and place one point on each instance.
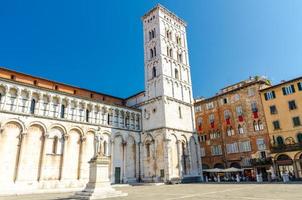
(168, 117)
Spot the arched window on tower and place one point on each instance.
(153, 33)
(154, 51)
(176, 73)
(179, 57)
(171, 52)
(154, 72)
(32, 106)
(150, 35)
(179, 112)
(151, 53)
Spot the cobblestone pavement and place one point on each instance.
(194, 191)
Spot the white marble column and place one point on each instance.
(124, 146)
(179, 150)
(167, 158)
(189, 157)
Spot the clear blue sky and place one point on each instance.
(99, 44)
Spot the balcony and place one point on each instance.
(286, 148)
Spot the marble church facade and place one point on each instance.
(48, 129)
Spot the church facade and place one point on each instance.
(48, 130)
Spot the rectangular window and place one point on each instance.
(290, 89)
(300, 86)
(269, 95)
(224, 101)
(216, 150)
(232, 148)
(292, 105)
(273, 109)
(296, 121)
(198, 108)
(261, 144)
(210, 105)
(276, 125)
(251, 92)
(211, 118)
(254, 107)
(203, 138)
(245, 146)
(239, 111)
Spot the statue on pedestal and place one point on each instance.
(99, 186)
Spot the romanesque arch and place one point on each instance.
(118, 158)
(88, 152)
(31, 153)
(54, 149)
(185, 161)
(130, 158)
(194, 155)
(106, 144)
(9, 151)
(72, 153)
(148, 157)
(174, 156)
(159, 167)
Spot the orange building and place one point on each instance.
(232, 128)
(282, 105)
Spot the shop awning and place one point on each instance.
(228, 170)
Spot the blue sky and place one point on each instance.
(98, 45)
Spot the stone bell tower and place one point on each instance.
(170, 147)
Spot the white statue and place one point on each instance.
(98, 143)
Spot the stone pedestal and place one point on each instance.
(99, 186)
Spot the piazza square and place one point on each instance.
(194, 192)
(59, 141)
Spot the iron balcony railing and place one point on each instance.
(286, 147)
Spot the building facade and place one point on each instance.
(48, 129)
(283, 110)
(232, 128)
(48, 135)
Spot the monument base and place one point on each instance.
(98, 193)
(99, 186)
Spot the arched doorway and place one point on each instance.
(219, 166)
(205, 166)
(235, 165)
(284, 165)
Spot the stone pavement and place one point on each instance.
(194, 192)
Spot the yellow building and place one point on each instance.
(282, 105)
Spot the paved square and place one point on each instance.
(195, 191)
